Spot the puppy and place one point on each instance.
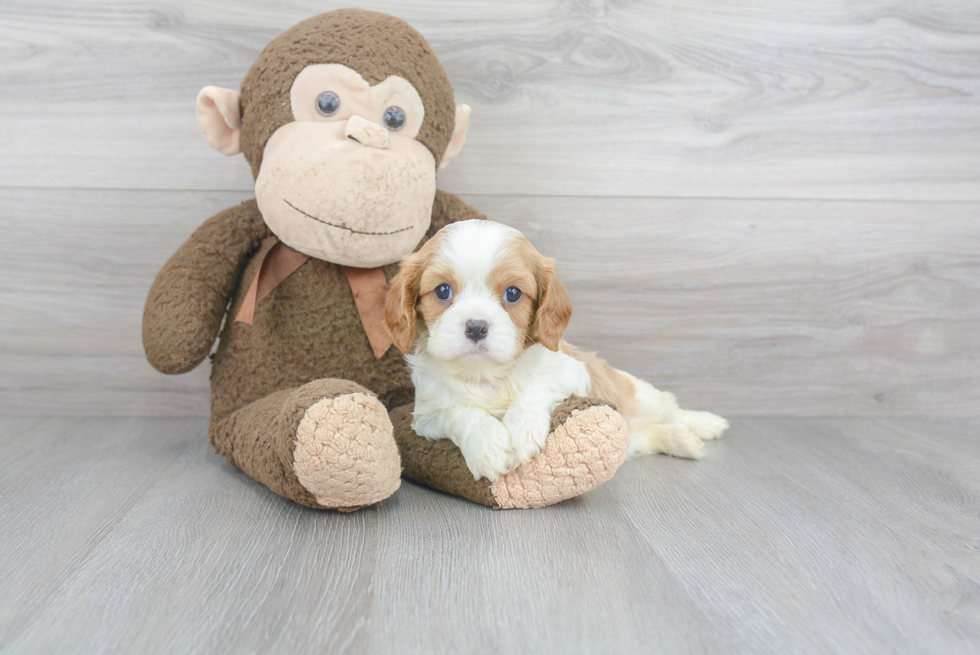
(483, 314)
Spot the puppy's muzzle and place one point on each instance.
(477, 330)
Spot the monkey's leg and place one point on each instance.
(586, 446)
(326, 444)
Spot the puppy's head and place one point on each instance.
(477, 289)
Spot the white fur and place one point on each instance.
(494, 398)
(498, 414)
(658, 425)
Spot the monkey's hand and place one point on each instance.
(190, 295)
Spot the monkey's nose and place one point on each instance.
(477, 330)
(367, 133)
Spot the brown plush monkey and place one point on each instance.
(345, 119)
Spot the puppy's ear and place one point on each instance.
(400, 304)
(554, 306)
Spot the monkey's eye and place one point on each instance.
(444, 292)
(327, 103)
(512, 294)
(394, 118)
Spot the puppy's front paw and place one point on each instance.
(528, 433)
(488, 455)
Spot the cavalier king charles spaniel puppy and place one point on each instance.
(482, 313)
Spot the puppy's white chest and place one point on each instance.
(495, 397)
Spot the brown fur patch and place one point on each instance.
(403, 289)
(429, 308)
(554, 306)
(436, 273)
(518, 267)
(534, 274)
(410, 293)
(606, 382)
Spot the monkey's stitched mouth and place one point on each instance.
(344, 227)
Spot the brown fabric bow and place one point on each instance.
(370, 290)
(367, 284)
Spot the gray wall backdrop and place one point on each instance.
(769, 208)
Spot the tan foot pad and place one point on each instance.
(582, 453)
(345, 454)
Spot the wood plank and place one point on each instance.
(223, 556)
(572, 578)
(744, 307)
(64, 485)
(872, 100)
(827, 520)
(804, 536)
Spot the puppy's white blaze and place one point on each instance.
(473, 248)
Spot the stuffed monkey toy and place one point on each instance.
(345, 119)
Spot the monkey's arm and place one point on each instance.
(190, 295)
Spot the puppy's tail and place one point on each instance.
(658, 425)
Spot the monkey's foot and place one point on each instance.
(344, 452)
(587, 445)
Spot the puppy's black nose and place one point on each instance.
(476, 330)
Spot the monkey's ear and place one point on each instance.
(459, 135)
(219, 115)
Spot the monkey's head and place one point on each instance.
(345, 119)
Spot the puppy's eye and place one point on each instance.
(444, 292)
(327, 103)
(512, 294)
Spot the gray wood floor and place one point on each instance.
(804, 536)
